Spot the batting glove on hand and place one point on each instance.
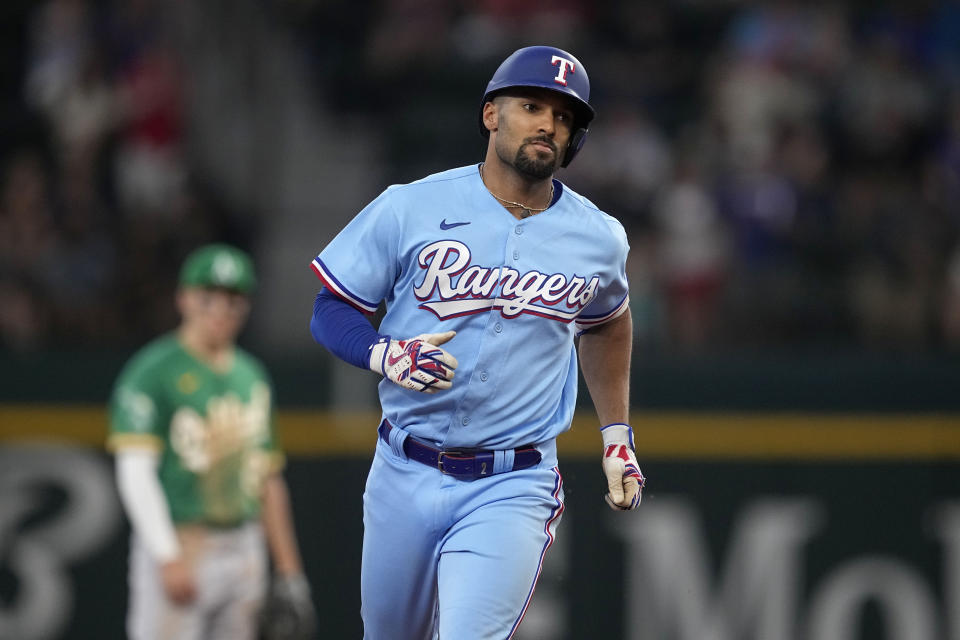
(417, 363)
(624, 480)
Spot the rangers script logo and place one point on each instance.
(452, 287)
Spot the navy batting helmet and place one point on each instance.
(547, 68)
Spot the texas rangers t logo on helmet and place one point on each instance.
(565, 65)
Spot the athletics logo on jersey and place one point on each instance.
(453, 287)
(228, 426)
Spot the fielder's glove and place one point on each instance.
(417, 363)
(624, 480)
(288, 612)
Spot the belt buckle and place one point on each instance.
(440, 455)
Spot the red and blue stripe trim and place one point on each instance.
(331, 282)
(586, 322)
(548, 529)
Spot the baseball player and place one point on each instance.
(198, 468)
(489, 273)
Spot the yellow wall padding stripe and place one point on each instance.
(137, 440)
(660, 434)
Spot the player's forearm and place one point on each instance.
(605, 361)
(342, 329)
(145, 503)
(278, 525)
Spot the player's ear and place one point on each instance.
(182, 300)
(491, 119)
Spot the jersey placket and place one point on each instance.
(494, 349)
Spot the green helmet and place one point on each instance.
(219, 265)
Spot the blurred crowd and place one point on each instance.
(97, 205)
(788, 172)
(797, 184)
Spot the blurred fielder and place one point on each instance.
(489, 271)
(198, 469)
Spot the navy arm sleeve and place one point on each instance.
(342, 329)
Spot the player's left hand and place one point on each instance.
(624, 480)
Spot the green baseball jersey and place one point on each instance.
(214, 430)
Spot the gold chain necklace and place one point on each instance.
(526, 211)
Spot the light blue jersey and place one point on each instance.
(464, 494)
(445, 255)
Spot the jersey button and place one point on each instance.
(483, 376)
(516, 255)
(498, 327)
(518, 230)
(465, 421)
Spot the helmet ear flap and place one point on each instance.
(573, 148)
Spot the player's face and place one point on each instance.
(217, 315)
(533, 130)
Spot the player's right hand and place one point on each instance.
(178, 582)
(416, 363)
